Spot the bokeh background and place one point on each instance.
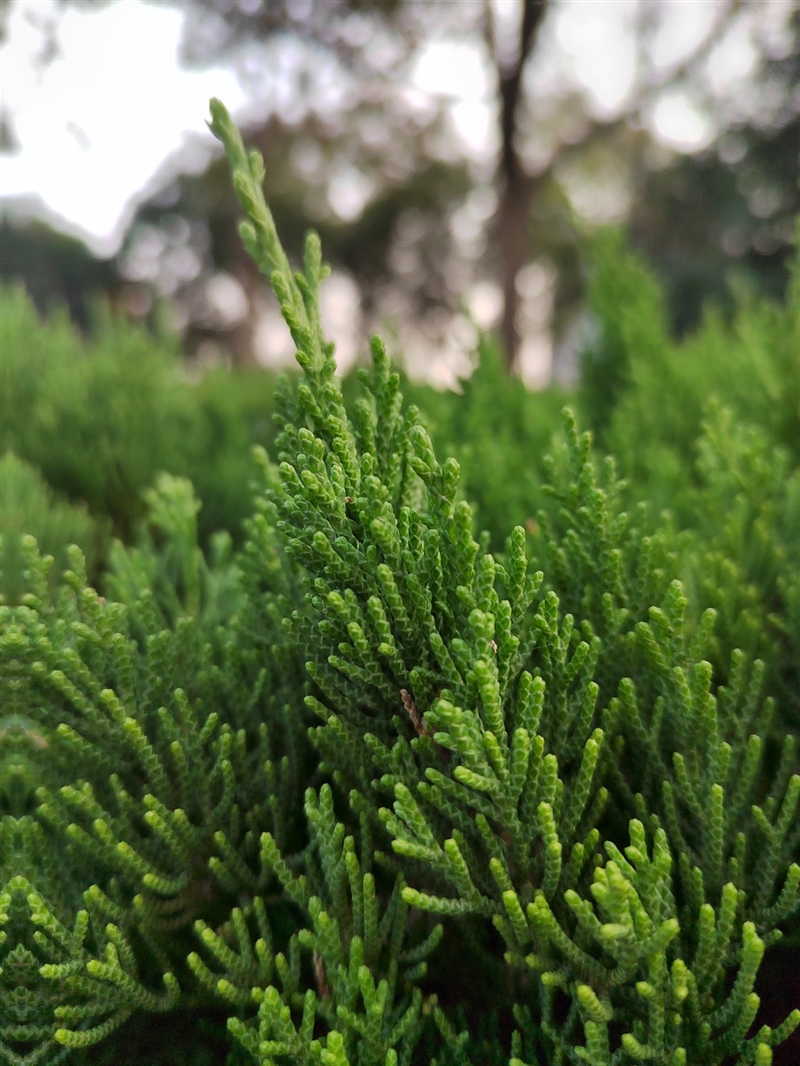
(456, 156)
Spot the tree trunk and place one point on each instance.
(516, 187)
(515, 203)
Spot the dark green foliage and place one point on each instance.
(709, 427)
(499, 431)
(665, 388)
(205, 757)
(28, 505)
(55, 268)
(100, 419)
(629, 316)
(385, 797)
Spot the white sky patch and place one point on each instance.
(678, 122)
(349, 191)
(475, 124)
(460, 71)
(597, 38)
(451, 68)
(100, 120)
(682, 27)
(733, 59)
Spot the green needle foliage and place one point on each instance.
(386, 797)
(101, 416)
(364, 973)
(29, 506)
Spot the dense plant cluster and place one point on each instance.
(100, 419)
(382, 796)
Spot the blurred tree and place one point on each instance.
(419, 220)
(730, 210)
(517, 185)
(350, 104)
(185, 242)
(56, 269)
(374, 41)
(349, 146)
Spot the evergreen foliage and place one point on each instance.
(499, 431)
(30, 506)
(328, 780)
(709, 428)
(100, 417)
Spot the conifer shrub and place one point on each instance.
(647, 395)
(499, 431)
(101, 416)
(29, 505)
(382, 796)
(706, 430)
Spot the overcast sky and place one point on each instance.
(98, 125)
